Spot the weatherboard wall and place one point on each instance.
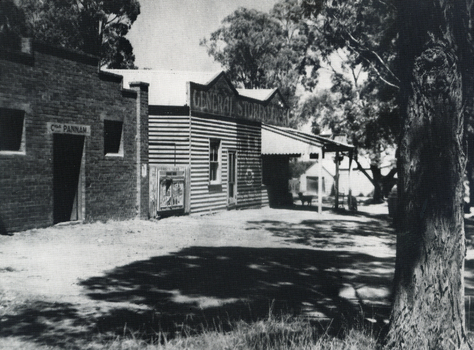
(168, 138)
(180, 140)
(236, 136)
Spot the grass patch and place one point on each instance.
(272, 333)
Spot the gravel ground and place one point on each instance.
(63, 285)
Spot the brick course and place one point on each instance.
(57, 85)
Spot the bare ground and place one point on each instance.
(72, 286)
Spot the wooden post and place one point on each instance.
(349, 197)
(336, 182)
(320, 181)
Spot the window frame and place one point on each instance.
(110, 134)
(215, 158)
(21, 131)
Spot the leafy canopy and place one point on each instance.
(285, 48)
(266, 50)
(91, 26)
(12, 25)
(361, 102)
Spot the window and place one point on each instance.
(113, 137)
(12, 130)
(214, 161)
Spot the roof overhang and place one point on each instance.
(278, 140)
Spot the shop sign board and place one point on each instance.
(220, 99)
(73, 129)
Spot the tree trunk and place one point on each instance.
(428, 306)
(378, 184)
(470, 168)
(388, 181)
(382, 184)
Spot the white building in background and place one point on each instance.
(358, 182)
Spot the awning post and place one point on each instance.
(349, 198)
(320, 180)
(336, 182)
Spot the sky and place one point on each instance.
(167, 33)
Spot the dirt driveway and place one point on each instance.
(67, 285)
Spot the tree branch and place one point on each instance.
(359, 167)
(372, 52)
(372, 65)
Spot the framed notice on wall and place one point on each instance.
(171, 190)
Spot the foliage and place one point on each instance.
(357, 110)
(266, 50)
(244, 44)
(357, 42)
(91, 26)
(12, 24)
(298, 168)
(365, 28)
(283, 49)
(361, 103)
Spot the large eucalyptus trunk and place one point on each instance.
(470, 168)
(428, 306)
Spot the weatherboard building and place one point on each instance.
(205, 139)
(215, 147)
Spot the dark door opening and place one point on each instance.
(231, 179)
(67, 159)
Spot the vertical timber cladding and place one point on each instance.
(218, 112)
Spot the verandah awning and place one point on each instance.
(277, 140)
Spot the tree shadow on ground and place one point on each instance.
(342, 210)
(331, 234)
(202, 287)
(330, 277)
(47, 323)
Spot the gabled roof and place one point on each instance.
(259, 95)
(167, 87)
(210, 94)
(287, 141)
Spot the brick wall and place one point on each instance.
(53, 85)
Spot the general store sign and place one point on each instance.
(218, 98)
(73, 129)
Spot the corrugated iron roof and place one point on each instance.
(286, 141)
(279, 140)
(167, 87)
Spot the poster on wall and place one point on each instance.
(171, 193)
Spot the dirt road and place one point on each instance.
(68, 284)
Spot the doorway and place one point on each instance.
(67, 188)
(232, 179)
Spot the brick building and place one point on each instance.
(73, 142)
